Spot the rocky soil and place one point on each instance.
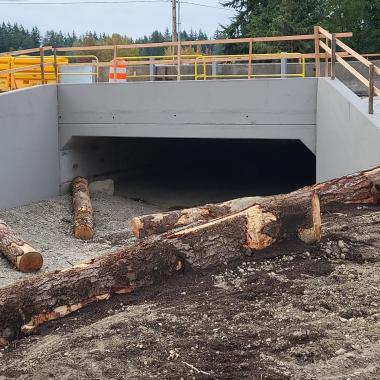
(47, 226)
(289, 312)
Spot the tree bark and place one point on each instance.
(83, 211)
(24, 257)
(27, 304)
(361, 187)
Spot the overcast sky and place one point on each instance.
(132, 19)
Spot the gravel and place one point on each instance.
(47, 226)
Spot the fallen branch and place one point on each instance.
(195, 369)
(83, 211)
(361, 187)
(27, 304)
(24, 257)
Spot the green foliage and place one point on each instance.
(58, 39)
(256, 18)
(15, 37)
(362, 17)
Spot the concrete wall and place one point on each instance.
(348, 139)
(264, 108)
(29, 165)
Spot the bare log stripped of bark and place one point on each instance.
(361, 187)
(24, 257)
(27, 304)
(83, 211)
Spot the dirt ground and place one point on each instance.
(306, 314)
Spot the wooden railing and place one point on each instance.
(41, 52)
(332, 54)
(328, 42)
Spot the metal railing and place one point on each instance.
(249, 58)
(155, 60)
(93, 63)
(328, 42)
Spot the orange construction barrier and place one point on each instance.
(118, 71)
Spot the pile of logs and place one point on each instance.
(362, 187)
(197, 238)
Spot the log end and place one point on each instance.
(136, 226)
(314, 233)
(30, 262)
(84, 233)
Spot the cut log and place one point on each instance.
(83, 211)
(27, 304)
(24, 257)
(361, 187)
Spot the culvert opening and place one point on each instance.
(177, 173)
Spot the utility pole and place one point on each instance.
(174, 20)
(179, 42)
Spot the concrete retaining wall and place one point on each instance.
(29, 165)
(348, 139)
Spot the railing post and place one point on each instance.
(179, 60)
(55, 65)
(317, 53)
(250, 59)
(214, 70)
(152, 70)
(42, 64)
(371, 89)
(284, 67)
(333, 55)
(327, 61)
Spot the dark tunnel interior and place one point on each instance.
(177, 173)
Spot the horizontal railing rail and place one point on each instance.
(325, 48)
(26, 51)
(334, 56)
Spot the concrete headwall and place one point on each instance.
(29, 166)
(262, 109)
(348, 139)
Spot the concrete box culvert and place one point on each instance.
(52, 133)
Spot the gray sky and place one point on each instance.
(132, 19)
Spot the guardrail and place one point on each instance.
(203, 61)
(199, 60)
(334, 41)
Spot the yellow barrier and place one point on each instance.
(26, 71)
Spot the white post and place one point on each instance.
(214, 69)
(284, 67)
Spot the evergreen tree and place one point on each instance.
(256, 18)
